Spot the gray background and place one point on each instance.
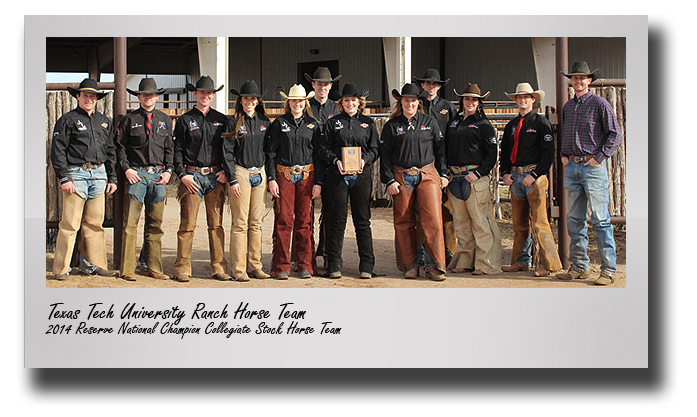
(449, 328)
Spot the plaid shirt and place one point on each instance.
(589, 127)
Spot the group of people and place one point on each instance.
(435, 160)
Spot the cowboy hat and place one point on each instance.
(297, 92)
(88, 85)
(431, 75)
(582, 68)
(526, 88)
(472, 90)
(410, 90)
(322, 74)
(350, 90)
(147, 86)
(248, 89)
(204, 83)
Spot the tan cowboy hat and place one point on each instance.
(297, 92)
(472, 90)
(526, 88)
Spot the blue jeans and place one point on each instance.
(254, 180)
(519, 190)
(412, 181)
(145, 190)
(206, 182)
(88, 184)
(458, 186)
(587, 187)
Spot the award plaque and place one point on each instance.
(351, 159)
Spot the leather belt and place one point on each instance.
(462, 169)
(413, 171)
(581, 158)
(151, 169)
(295, 170)
(88, 165)
(254, 170)
(204, 170)
(524, 170)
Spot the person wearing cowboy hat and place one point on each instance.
(291, 147)
(243, 149)
(471, 154)
(146, 156)
(198, 162)
(527, 153)
(83, 155)
(412, 165)
(590, 134)
(349, 128)
(442, 110)
(323, 108)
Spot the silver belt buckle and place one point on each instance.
(254, 170)
(296, 170)
(150, 169)
(413, 171)
(456, 170)
(206, 170)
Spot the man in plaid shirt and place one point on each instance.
(590, 135)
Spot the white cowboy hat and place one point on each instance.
(297, 92)
(526, 88)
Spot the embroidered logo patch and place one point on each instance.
(364, 125)
(531, 130)
(425, 127)
(216, 124)
(444, 112)
(338, 125)
(80, 126)
(454, 123)
(262, 128)
(548, 138)
(284, 127)
(136, 126)
(193, 125)
(311, 125)
(105, 125)
(400, 130)
(493, 139)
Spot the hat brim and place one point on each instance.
(538, 94)
(321, 80)
(236, 93)
(309, 96)
(483, 97)
(593, 74)
(421, 96)
(192, 87)
(73, 92)
(136, 92)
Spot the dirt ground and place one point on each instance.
(383, 242)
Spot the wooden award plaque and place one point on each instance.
(351, 159)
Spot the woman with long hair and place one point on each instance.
(345, 132)
(291, 146)
(243, 150)
(471, 151)
(412, 165)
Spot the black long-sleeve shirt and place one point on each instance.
(440, 109)
(289, 144)
(197, 140)
(411, 144)
(79, 138)
(535, 144)
(135, 149)
(247, 151)
(471, 141)
(344, 130)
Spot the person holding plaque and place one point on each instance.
(412, 165)
(350, 146)
(291, 146)
(470, 143)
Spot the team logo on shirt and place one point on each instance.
(492, 139)
(193, 125)
(425, 127)
(364, 125)
(262, 128)
(330, 116)
(444, 112)
(161, 125)
(136, 126)
(216, 124)
(311, 125)
(338, 125)
(454, 123)
(400, 130)
(80, 126)
(548, 138)
(242, 131)
(284, 127)
(531, 130)
(473, 126)
(105, 125)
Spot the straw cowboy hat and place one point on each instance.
(582, 68)
(410, 90)
(431, 75)
(526, 88)
(248, 89)
(350, 90)
(88, 85)
(147, 86)
(297, 92)
(472, 90)
(322, 74)
(204, 83)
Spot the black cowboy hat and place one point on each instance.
(472, 90)
(204, 83)
(410, 90)
(248, 89)
(147, 86)
(322, 74)
(88, 85)
(431, 75)
(582, 68)
(350, 90)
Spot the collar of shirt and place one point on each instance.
(584, 97)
